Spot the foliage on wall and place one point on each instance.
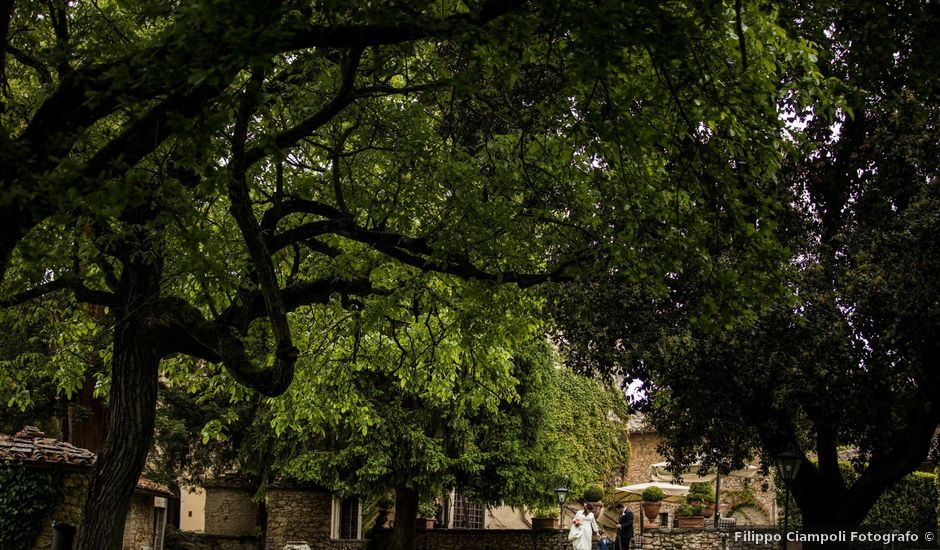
(27, 497)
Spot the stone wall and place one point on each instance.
(138, 528)
(301, 515)
(642, 455)
(346, 545)
(230, 511)
(764, 497)
(702, 539)
(75, 485)
(477, 539)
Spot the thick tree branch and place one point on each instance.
(288, 138)
(220, 341)
(146, 133)
(66, 281)
(58, 14)
(45, 76)
(296, 206)
(251, 233)
(417, 252)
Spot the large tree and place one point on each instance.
(505, 429)
(194, 168)
(850, 359)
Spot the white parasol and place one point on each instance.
(631, 493)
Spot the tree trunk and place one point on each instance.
(406, 510)
(826, 505)
(133, 397)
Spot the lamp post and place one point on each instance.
(788, 464)
(562, 493)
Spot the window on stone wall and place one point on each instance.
(347, 519)
(467, 513)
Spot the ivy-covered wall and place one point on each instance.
(28, 496)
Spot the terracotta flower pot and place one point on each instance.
(651, 510)
(691, 521)
(708, 510)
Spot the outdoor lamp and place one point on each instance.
(788, 463)
(562, 493)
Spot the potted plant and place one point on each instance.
(593, 494)
(701, 493)
(652, 502)
(690, 516)
(384, 505)
(544, 518)
(425, 519)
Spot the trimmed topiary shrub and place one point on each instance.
(653, 494)
(27, 497)
(594, 493)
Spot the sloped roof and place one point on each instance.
(150, 486)
(31, 446)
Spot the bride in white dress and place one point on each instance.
(583, 528)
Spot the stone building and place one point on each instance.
(31, 448)
(230, 508)
(146, 520)
(146, 517)
(298, 511)
(750, 501)
(293, 511)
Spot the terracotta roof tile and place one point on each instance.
(30, 446)
(151, 486)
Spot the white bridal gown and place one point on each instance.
(585, 539)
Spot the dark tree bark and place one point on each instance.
(133, 397)
(406, 510)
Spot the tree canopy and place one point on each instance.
(208, 172)
(849, 359)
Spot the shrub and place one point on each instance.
(738, 499)
(174, 539)
(687, 510)
(594, 493)
(427, 509)
(27, 497)
(544, 511)
(911, 503)
(701, 491)
(653, 494)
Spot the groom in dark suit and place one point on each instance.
(624, 527)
